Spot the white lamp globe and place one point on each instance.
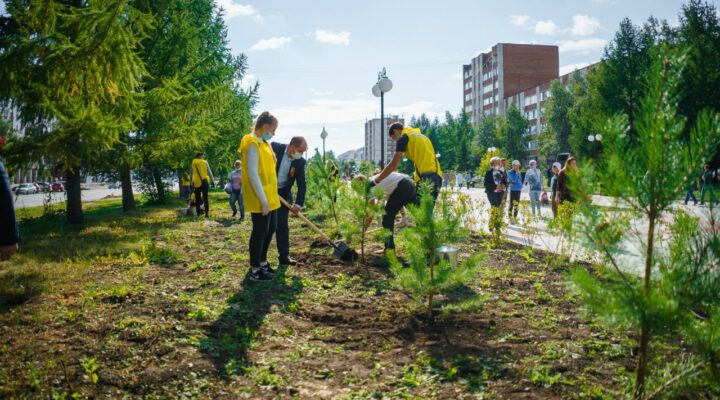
(591, 138)
(323, 134)
(385, 85)
(376, 90)
(598, 137)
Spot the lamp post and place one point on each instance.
(594, 138)
(323, 135)
(383, 85)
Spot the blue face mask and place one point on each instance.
(267, 136)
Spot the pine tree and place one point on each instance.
(363, 206)
(435, 225)
(73, 70)
(678, 291)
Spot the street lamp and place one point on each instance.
(323, 135)
(491, 149)
(594, 138)
(383, 85)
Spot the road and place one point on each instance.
(94, 192)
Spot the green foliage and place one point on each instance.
(323, 181)
(434, 226)
(678, 290)
(557, 109)
(514, 133)
(363, 205)
(90, 367)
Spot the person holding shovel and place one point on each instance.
(290, 168)
(411, 143)
(260, 193)
(399, 191)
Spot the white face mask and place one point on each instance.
(296, 155)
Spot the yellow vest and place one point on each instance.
(422, 153)
(199, 172)
(185, 181)
(266, 170)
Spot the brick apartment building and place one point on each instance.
(518, 74)
(373, 136)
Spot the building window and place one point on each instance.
(487, 89)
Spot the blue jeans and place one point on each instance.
(535, 201)
(236, 196)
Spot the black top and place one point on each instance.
(297, 172)
(9, 232)
(489, 182)
(402, 143)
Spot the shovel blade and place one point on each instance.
(344, 252)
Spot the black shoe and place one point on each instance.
(267, 268)
(234, 214)
(288, 261)
(259, 275)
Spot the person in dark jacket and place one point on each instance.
(494, 183)
(564, 191)
(290, 168)
(708, 185)
(9, 232)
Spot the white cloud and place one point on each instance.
(546, 27)
(566, 69)
(321, 92)
(331, 37)
(271, 43)
(248, 81)
(584, 25)
(519, 20)
(233, 10)
(582, 46)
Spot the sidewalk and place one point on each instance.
(537, 235)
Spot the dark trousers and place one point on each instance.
(710, 189)
(434, 179)
(236, 197)
(690, 195)
(495, 198)
(402, 195)
(514, 202)
(263, 228)
(282, 235)
(203, 189)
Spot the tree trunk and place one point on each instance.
(159, 185)
(128, 199)
(74, 199)
(644, 333)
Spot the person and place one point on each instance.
(235, 181)
(564, 191)
(468, 179)
(446, 178)
(494, 183)
(460, 180)
(290, 169)
(419, 149)
(690, 186)
(201, 176)
(708, 185)
(533, 179)
(260, 197)
(516, 184)
(553, 187)
(399, 191)
(9, 232)
(185, 189)
(503, 169)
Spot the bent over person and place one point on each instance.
(399, 191)
(290, 168)
(419, 149)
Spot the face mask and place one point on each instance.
(267, 136)
(296, 155)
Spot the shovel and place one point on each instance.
(341, 249)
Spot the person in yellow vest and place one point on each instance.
(201, 177)
(185, 189)
(411, 143)
(260, 192)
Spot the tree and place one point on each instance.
(514, 133)
(678, 293)
(72, 69)
(586, 116)
(557, 109)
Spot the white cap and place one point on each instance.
(557, 165)
(516, 162)
(533, 162)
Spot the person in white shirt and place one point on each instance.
(399, 191)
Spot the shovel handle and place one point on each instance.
(307, 221)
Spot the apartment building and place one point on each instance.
(373, 138)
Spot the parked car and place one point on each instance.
(26, 188)
(44, 186)
(58, 187)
